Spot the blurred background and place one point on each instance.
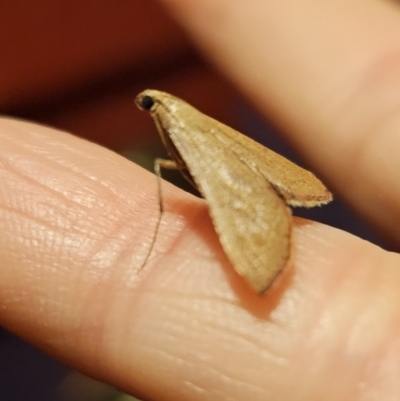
(77, 66)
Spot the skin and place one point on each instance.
(76, 221)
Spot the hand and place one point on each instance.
(77, 219)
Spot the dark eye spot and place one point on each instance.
(147, 102)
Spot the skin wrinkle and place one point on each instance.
(68, 224)
(156, 354)
(55, 142)
(63, 166)
(174, 309)
(212, 324)
(239, 332)
(192, 386)
(68, 167)
(35, 183)
(335, 288)
(92, 325)
(236, 382)
(10, 210)
(351, 327)
(315, 234)
(229, 380)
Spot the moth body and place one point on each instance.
(247, 187)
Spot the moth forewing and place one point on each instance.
(246, 186)
(299, 187)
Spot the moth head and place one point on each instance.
(148, 100)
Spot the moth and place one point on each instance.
(248, 188)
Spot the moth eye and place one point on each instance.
(147, 102)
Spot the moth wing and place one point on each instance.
(299, 187)
(251, 219)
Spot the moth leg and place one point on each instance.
(167, 165)
(158, 165)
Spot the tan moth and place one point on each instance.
(246, 186)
